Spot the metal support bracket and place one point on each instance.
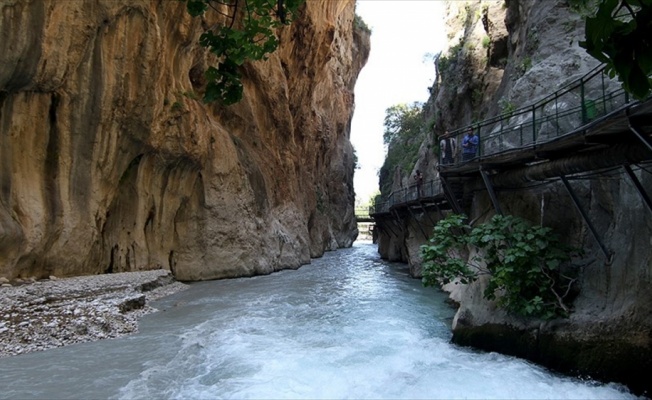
(638, 134)
(490, 190)
(387, 226)
(608, 253)
(450, 196)
(426, 211)
(398, 221)
(639, 187)
(418, 224)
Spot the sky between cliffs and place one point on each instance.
(403, 32)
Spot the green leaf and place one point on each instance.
(196, 7)
(235, 45)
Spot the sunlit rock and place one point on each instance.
(111, 162)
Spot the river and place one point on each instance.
(348, 325)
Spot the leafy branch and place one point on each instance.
(620, 35)
(525, 263)
(248, 34)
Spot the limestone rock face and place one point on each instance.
(110, 162)
(531, 49)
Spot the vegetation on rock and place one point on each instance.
(525, 263)
(248, 34)
(404, 131)
(619, 33)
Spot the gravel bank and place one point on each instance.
(52, 313)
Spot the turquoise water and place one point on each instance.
(349, 325)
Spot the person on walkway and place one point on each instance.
(469, 145)
(418, 177)
(448, 148)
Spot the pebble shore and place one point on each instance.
(41, 314)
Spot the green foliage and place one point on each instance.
(321, 207)
(359, 23)
(356, 164)
(429, 125)
(190, 95)
(524, 263)
(402, 120)
(506, 106)
(618, 34)
(446, 62)
(486, 41)
(247, 35)
(404, 132)
(441, 262)
(524, 66)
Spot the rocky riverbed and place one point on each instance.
(41, 314)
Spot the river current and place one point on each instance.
(348, 325)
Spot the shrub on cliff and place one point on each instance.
(525, 263)
(405, 130)
(248, 34)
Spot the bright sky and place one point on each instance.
(403, 32)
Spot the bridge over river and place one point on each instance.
(587, 126)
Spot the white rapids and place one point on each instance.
(348, 325)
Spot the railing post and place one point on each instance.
(490, 190)
(582, 101)
(639, 186)
(557, 112)
(502, 132)
(480, 144)
(534, 124)
(604, 95)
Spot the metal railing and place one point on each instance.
(563, 112)
(592, 96)
(362, 213)
(431, 188)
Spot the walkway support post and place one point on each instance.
(425, 211)
(490, 190)
(398, 221)
(388, 227)
(450, 196)
(607, 253)
(418, 224)
(639, 135)
(639, 186)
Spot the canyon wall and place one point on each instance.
(503, 55)
(110, 161)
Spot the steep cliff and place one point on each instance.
(503, 55)
(110, 162)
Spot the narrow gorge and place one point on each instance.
(111, 163)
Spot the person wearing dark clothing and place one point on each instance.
(469, 145)
(418, 177)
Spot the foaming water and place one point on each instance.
(346, 326)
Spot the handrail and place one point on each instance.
(578, 103)
(361, 212)
(409, 194)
